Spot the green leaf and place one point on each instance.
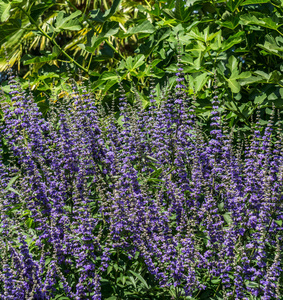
(5, 7)
(108, 76)
(231, 23)
(138, 61)
(140, 278)
(265, 22)
(227, 218)
(259, 99)
(232, 80)
(200, 81)
(272, 45)
(41, 59)
(156, 173)
(232, 40)
(9, 29)
(179, 10)
(234, 85)
(134, 62)
(145, 27)
(68, 23)
(14, 191)
(221, 206)
(11, 181)
(109, 29)
(109, 84)
(29, 222)
(194, 34)
(209, 37)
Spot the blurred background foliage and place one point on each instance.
(102, 42)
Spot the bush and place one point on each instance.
(240, 40)
(146, 207)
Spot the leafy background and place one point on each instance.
(107, 41)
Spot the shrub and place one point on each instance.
(146, 206)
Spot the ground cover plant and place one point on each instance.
(146, 206)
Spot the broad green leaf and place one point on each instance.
(40, 59)
(145, 27)
(265, 22)
(68, 23)
(179, 10)
(235, 76)
(270, 49)
(268, 23)
(197, 62)
(272, 77)
(109, 29)
(273, 45)
(262, 74)
(200, 81)
(259, 99)
(233, 64)
(195, 34)
(198, 47)
(109, 84)
(169, 12)
(234, 85)
(250, 80)
(95, 43)
(231, 24)
(5, 7)
(138, 61)
(134, 62)
(232, 40)
(192, 2)
(10, 28)
(208, 37)
(243, 75)
(108, 76)
(227, 218)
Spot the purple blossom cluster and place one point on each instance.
(196, 209)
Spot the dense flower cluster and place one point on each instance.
(196, 209)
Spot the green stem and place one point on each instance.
(53, 41)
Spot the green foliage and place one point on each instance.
(241, 41)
